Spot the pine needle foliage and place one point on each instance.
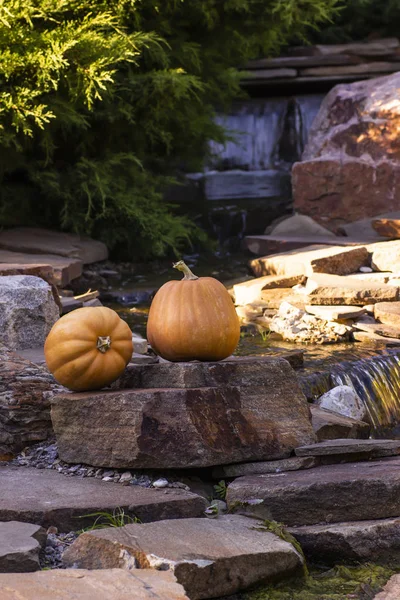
(103, 102)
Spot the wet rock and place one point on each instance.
(210, 558)
(27, 311)
(330, 289)
(391, 591)
(350, 166)
(20, 544)
(50, 499)
(388, 313)
(330, 425)
(326, 494)
(113, 584)
(348, 447)
(312, 259)
(359, 541)
(253, 410)
(294, 463)
(343, 399)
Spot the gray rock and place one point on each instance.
(326, 494)
(19, 546)
(49, 498)
(329, 425)
(293, 463)
(372, 448)
(210, 558)
(27, 311)
(344, 400)
(377, 541)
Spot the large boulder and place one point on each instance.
(182, 415)
(27, 311)
(350, 168)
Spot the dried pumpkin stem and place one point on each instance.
(181, 266)
(103, 343)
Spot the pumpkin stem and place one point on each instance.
(181, 266)
(103, 343)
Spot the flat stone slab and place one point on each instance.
(391, 591)
(329, 493)
(357, 541)
(376, 448)
(64, 269)
(335, 313)
(385, 256)
(253, 410)
(334, 289)
(329, 425)
(19, 546)
(78, 584)
(48, 498)
(388, 313)
(293, 463)
(210, 558)
(312, 259)
(363, 336)
(44, 271)
(250, 291)
(44, 241)
(275, 243)
(389, 331)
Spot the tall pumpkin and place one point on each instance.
(88, 348)
(193, 319)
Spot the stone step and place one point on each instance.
(335, 313)
(50, 499)
(312, 259)
(272, 244)
(74, 584)
(327, 289)
(250, 410)
(354, 541)
(20, 544)
(210, 558)
(294, 463)
(388, 313)
(339, 447)
(250, 291)
(64, 269)
(389, 331)
(329, 493)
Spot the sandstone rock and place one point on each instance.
(44, 241)
(330, 493)
(249, 410)
(374, 276)
(274, 298)
(375, 339)
(335, 313)
(48, 498)
(360, 541)
(387, 227)
(64, 269)
(378, 67)
(372, 448)
(293, 463)
(388, 313)
(44, 271)
(329, 425)
(209, 559)
(389, 331)
(332, 289)
(350, 166)
(19, 546)
(295, 325)
(74, 584)
(27, 311)
(277, 244)
(385, 256)
(312, 259)
(250, 312)
(25, 393)
(250, 291)
(363, 227)
(344, 400)
(300, 225)
(391, 591)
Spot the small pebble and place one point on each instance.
(160, 483)
(366, 270)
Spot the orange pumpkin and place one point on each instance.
(88, 348)
(193, 319)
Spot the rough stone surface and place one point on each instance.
(391, 591)
(387, 227)
(293, 463)
(19, 546)
(350, 166)
(339, 492)
(274, 298)
(335, 313)
(312, 259)
(259, 413)
(64, 269)
(74, 584)
(250, 291)
(388, 313)
(343, 399)
(209, 558)
(25, 393)
(374, 338)
(385, 256)
(45, 241)
(27, 311)
(44, 271)
(329, 425)
(49, 498)
(375, 541)
(336, 447)
(299, 225)
(333, 289)
(389, 331)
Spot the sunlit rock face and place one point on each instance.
(350, 168)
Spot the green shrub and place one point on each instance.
(103, 102)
